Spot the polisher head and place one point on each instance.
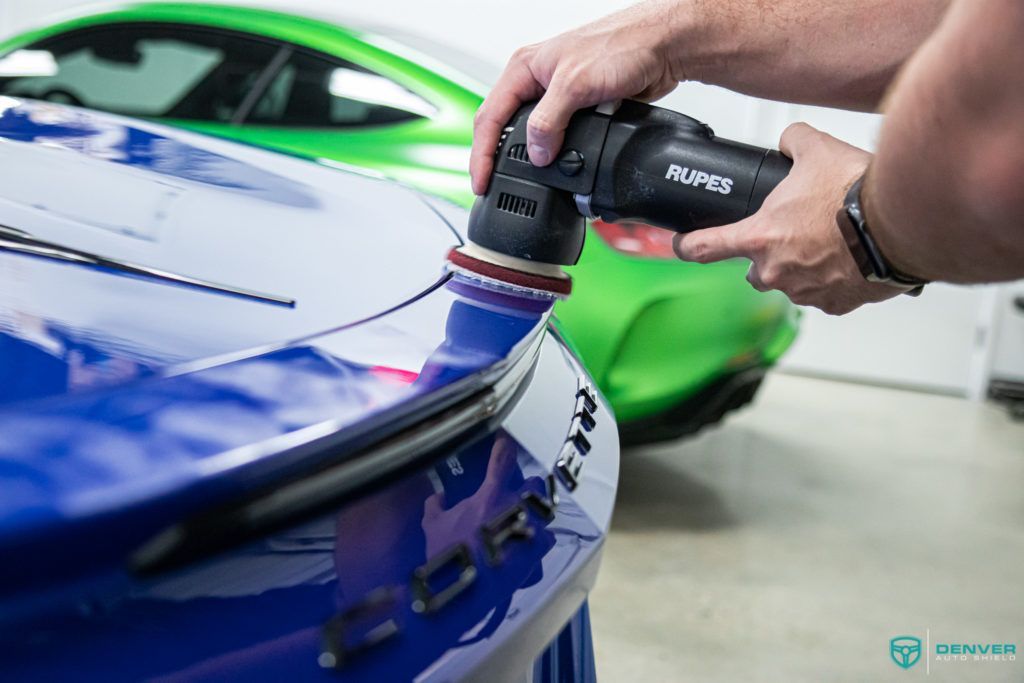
(503, 271)
(528, 224)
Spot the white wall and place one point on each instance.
(1008, 340)
(948, 340)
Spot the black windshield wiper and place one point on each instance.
(12, 239)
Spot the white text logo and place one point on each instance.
(688, 176)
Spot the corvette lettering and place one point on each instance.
(448, 574)
(456, 568)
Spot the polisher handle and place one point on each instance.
(640, 163)
(663, 168)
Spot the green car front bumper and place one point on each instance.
(655, 332)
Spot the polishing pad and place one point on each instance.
(518, 273)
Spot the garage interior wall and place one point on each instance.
(950, 340)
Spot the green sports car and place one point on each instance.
(674, 346)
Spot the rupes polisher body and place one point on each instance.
(640, 163)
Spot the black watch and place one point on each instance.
(873, 266)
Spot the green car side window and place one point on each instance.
(141, 70)
(310, 91)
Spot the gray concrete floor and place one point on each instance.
(791, 543)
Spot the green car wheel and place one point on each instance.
(674, 346)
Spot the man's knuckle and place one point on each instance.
(835, 309)
(522, 54)
(575, 80)
(540, 124)
(798, 135)
(576, 86)
(756, 241)
(799, 128)
(699, 251)
(771, 276)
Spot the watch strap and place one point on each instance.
(866, 254)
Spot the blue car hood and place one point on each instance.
(128, 403)
(343, 246)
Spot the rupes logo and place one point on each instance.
(691, 176)
(905, 650)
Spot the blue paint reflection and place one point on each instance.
(482, 328)
(102, 138)
(161, 447)
(40, 359)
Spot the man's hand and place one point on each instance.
(620, 56)
(791, 50)
(445, 527)
(793, 241)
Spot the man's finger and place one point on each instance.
(503, 458)
(754, 278)
(433, 505)
(516, 86)
(546, 128)
(796, 138)
(712, 244)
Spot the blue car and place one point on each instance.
(250, 429)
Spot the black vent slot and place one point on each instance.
(520, 206)
(517, 152)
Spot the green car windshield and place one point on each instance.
(148, 70)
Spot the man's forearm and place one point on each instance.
(945, 193)
(841, 54)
